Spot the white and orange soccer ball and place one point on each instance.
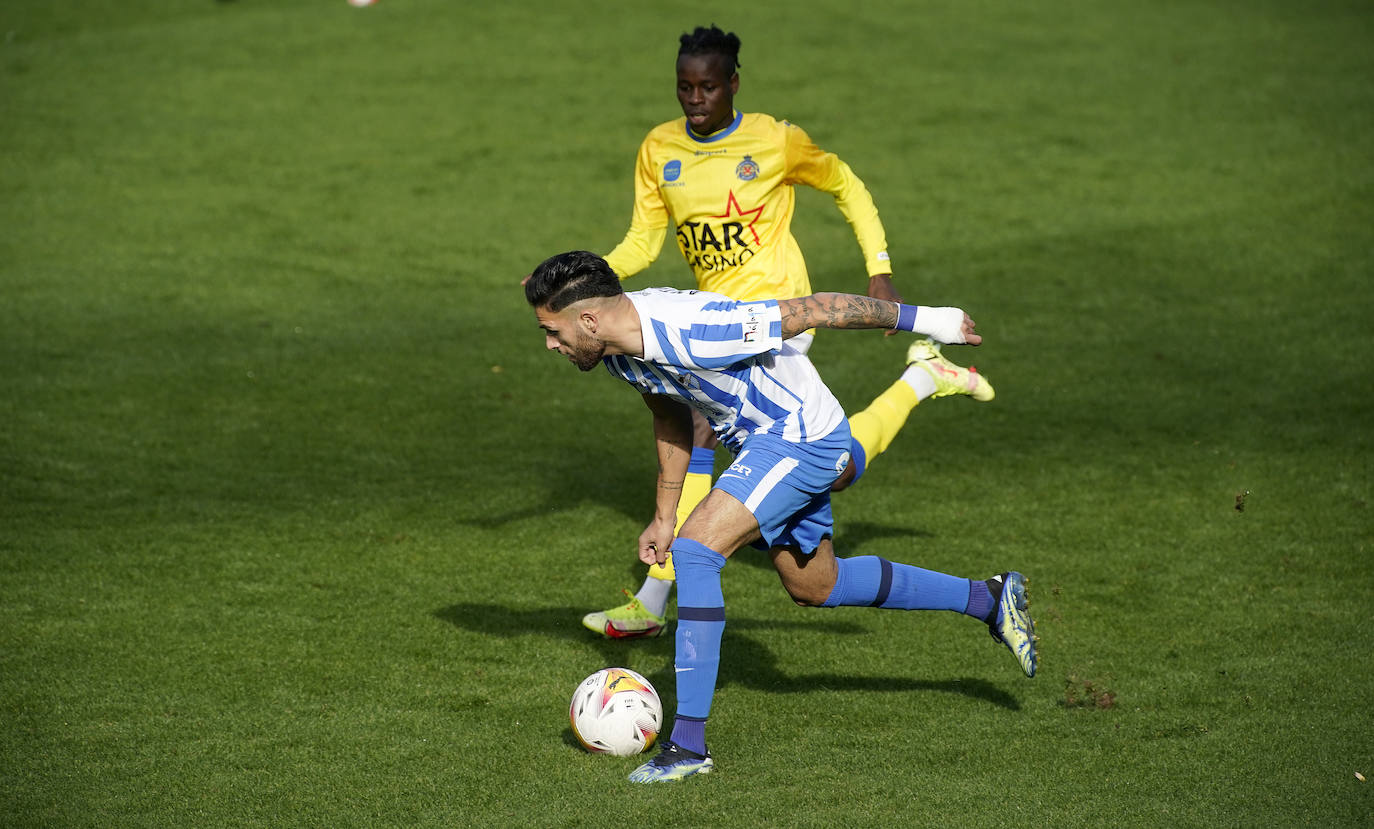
(616, 711)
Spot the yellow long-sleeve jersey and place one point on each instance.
(729, 198)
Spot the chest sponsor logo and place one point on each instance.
(672, 170)
(724, 241)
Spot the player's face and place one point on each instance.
(563, 333)
(706, 90)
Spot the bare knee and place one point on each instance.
(809, 580)
(808, 591)
(807, 598)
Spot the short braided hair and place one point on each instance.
(711, 41)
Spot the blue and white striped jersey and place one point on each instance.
(727, 359)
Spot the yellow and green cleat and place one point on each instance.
(949, 378)
(629, 621)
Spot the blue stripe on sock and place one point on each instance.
(884, 582)
(701, 614)
(703, 461)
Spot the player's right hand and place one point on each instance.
(655, 541)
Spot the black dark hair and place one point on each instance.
(712, 41)
(570, 277)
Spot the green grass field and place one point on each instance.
(297, 518)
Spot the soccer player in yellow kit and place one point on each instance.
(723, 180)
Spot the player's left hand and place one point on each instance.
(880, 287)
(946, 324)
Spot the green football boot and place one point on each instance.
(629, 621)
(949, 378)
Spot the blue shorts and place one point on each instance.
(787, 487)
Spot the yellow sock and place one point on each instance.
(694, 489)
(875, 427)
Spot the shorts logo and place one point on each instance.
(740, 469)
(672, 170)
(748, 169)
(841, 463)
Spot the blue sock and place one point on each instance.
(700, 623)
(703, 461)
(982, 605)
(876, 582)
(690, 733)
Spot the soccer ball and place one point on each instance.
(616, 711)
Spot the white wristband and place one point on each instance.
(943, 323)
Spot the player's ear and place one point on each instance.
(734, 84)
(588, 320)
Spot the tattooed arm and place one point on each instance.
(673, 439)
(948, 325)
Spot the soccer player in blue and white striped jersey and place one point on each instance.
(729, 361)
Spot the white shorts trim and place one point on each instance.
(769, 481)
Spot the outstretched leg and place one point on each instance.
(824, 580)
(928, 374)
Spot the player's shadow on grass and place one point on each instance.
(561, 484)
(745, 661)
(852, 537)
(500, 620)
(750, 663)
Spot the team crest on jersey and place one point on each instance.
(748, 169)
(688, 381)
